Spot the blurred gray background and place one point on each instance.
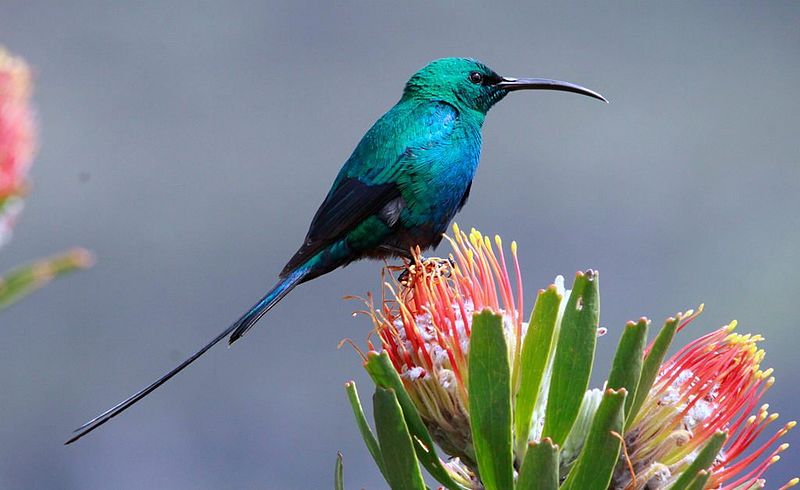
(189, 144)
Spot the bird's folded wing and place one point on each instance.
(372, 176)
(350, 203)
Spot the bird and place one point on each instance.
(409, 175)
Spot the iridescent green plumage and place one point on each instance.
(401, 187)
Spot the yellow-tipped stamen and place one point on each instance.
(790, 483)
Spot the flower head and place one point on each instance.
(424, 324)
(713, 384)
(17, 137)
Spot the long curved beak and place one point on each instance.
(512, 84)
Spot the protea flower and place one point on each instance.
(17, 137)
(508, 401)
(710, 387)
(424, 325)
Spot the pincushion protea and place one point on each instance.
(711, 386)
(508, 400)
(424, 325)
(17, 137)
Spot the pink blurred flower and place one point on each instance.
(17, 137)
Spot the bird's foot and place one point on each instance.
(430, 266)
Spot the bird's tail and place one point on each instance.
(249, 319)
(236, 330)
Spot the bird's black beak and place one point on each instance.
(511, 84)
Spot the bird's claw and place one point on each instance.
(435, 265)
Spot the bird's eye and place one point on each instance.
(476, 77)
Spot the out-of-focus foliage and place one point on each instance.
(17, 148)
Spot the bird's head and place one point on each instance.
(468, 83)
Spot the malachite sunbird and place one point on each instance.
(407, 178)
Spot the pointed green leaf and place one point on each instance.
(363, 426)
(650, 367)
(399, 457)
(533, 362)
(627, 366)
(580, 430)
(600, 454)
(703, 461)
(539, 469)
(24, 280)
(572, 365)
(490, 401)
(338, 477)
(382, 372)
(699, 482)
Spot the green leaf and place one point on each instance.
(699, 482)
(650, 367)
(539, 469)
(490, 401)
(382, 372)
(24, 280)
(703, 461)
(363, 426)
(338, 477)
(580, 430)
(600, 454)
(533, 362)
(572, 365)
(626, 370)
(399, 457)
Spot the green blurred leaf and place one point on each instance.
(703, 461)
(399, 457)
(363, 426)
(382, 372)
(539, 469)
(627, 366)
(338, 477)
(20, 282)
(572, 365)
(490, 401)
(600, 454)
(699, 482)
(650, 367)
(533, 362)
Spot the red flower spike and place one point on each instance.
(714, 383)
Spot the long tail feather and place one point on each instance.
(249, 319)
(238, 328)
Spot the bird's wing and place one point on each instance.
(350, 203)
(370, 177)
